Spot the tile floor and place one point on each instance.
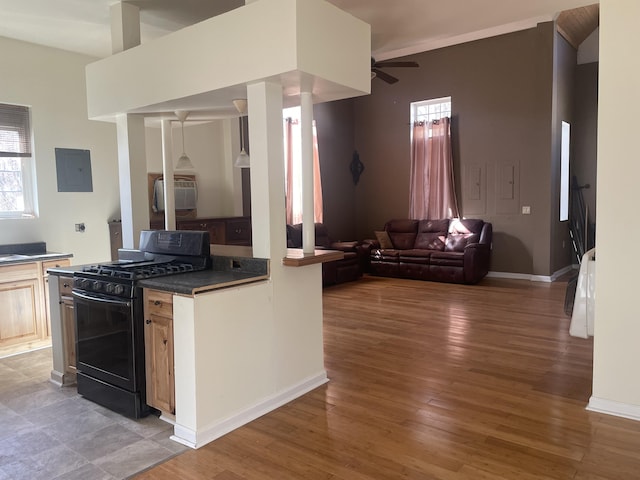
(48, 432)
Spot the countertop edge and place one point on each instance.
(36, 257)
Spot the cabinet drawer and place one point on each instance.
(238, 231)
(159, 303)
(62, 262)
(65, 285)
(21, 271)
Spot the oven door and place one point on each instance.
(105, 338)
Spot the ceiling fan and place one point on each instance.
(376, 72)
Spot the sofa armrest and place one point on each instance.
(344, 246)
(371, 243)
(476, 261)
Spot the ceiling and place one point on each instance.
(409, 26)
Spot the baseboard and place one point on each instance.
(197, 439)
(611, 407)
(531, 277)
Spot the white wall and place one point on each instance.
(211, 146)
(616, 384)
(52, 83)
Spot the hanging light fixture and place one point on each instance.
(243, 158)
(184, 162)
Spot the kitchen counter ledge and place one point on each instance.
(202, 281)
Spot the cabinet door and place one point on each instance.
(69, 334)
(238, 231)
(158, 345)
(64, 262)
(158, 340)
(20, 319)
(216, 228)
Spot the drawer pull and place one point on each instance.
(147, 321)
(65, 285)
(157, 302)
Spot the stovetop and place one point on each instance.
(161, 253)
(140, 270)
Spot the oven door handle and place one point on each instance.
(92, 298)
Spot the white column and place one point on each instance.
(125, 27)
(167, 174)
(267, 170)
(132, 167)
(306, 132)
(132, 161)
(616, 383)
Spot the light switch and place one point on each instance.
(526, 210)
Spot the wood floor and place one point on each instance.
(434, 381)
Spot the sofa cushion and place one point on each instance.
(457, 241)
(432, 234)
(462, 232)
(415, 255)
(403, 241)
(447, 259)
(402, 232)
(383, 239)
(385, 254)
(466, 225)
(294, 236)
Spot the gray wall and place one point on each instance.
(565, 62)
(510, 94)
(501, 90)
(585, 132)
(335, 126)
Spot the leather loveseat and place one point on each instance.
(456, 250)
(351, 267)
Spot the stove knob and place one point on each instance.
(109, 287)
(96, 285)
(118, 290)
(85, 284)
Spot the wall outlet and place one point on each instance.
(80, 227)
(526, 210)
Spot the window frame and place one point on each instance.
(415, 116)
(20, 123)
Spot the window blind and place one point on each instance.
(15, 131)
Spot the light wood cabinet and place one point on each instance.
(44, 266)
(158, 345)
(65, 285)
(20, 296)
(24, 297)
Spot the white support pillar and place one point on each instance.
(125, 27)
(132, 167)
(132, 161)
(306, 132)
(267, 170)
(167, 174)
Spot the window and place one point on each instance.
(16, 163)
(293, 169)
(429, 110)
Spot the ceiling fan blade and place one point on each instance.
(395, 64)
(384, 76)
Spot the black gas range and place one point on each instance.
(109, 315)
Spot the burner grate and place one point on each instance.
(137, 272)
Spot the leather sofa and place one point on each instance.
(446, 250)
(351, 267)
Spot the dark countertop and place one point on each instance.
(225, 272)
(11, 259)
(203, 281)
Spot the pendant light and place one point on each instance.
(243, 160)
(184, 163)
